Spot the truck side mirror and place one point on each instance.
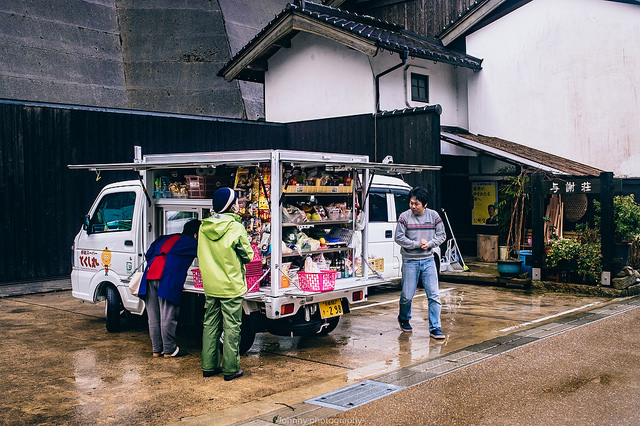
(87, 224)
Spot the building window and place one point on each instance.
(419, 87)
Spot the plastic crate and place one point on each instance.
(323, 281)
(253, 283)
(197, 278)
(377, 264)
(200, 186)
(251, 280)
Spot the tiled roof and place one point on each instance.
(384, 35)
(514, 150)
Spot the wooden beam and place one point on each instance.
(461, 26)
(259, 65)
(361, 44)
(284, 43)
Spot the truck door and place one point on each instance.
(400, 204)
(381, 229)
(112, 236)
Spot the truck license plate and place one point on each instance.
(330, 308)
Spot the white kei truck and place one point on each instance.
(357, 228)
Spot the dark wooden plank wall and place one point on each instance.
(349, 135)
(427, 17)
(43, 202)
(413, 138)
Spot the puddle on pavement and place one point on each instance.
(60, 365)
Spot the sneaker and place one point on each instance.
(214, 372)
(235, 375)
(157, 354)
(177, 353)
(437, 334)
(404, 325)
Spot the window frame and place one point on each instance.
(104, 222)
(419, 77)
(383, 193)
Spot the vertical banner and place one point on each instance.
(485, 200)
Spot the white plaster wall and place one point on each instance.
(444, 82)
(562, 76)
(319, 78)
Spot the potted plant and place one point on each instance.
(512, 209)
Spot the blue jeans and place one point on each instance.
(425, 271)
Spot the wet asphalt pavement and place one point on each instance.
(586, 376)
(60, 365)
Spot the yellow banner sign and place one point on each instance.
(485, 200)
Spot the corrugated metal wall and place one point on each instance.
(43, 202)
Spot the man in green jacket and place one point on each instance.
(223, 249)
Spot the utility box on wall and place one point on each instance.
(487, 248)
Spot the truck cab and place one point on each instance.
(108, 248)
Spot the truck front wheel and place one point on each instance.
(113, 311)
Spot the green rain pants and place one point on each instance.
(222, 315)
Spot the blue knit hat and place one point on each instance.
(223, 199)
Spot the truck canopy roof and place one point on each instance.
(252, 158)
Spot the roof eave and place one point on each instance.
(465, 23)
(288, 23)
(279, 29)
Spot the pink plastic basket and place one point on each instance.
(256, 253)
(197, 278)
(251, 280)
(324, 281)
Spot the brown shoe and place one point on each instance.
(235, 375)
(157, 354)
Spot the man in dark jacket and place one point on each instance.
(168, 260)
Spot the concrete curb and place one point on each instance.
(23, 289)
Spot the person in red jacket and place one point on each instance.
(168, 260)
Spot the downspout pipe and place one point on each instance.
(404, 55)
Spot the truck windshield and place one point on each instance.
(114, 212)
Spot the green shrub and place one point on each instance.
(583, 257)
(626, 217)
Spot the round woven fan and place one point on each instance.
(575, 206)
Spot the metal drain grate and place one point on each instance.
(354, 395)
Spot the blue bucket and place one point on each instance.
(523, 256)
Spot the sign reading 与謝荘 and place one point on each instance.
(572, 186)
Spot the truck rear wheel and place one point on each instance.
(332, 323)
(113, 311)
(247, 335)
